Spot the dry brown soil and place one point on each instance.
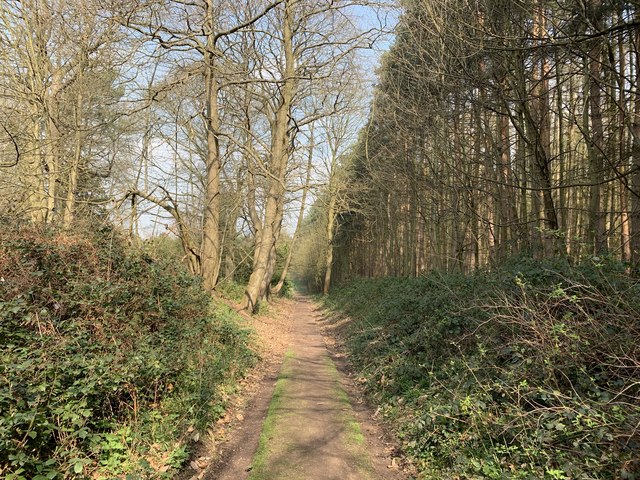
(319, 426)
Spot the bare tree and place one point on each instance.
(60, 86)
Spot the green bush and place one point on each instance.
(109, 356)
(529, 371)
(287, 289)
(231, 291)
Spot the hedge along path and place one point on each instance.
(310, 431)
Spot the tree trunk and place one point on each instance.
(210, 249)
(34, 176)
(328, 259)
(635, 157)
(258, 283)
(542, 138)
(595, 142)
(72, 186)
(303, 201)
(52, 147)
(623, 194)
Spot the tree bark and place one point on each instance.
(595, 141)
(210, 249)
(303, 201)
(53, 144)
(72, 186)
(328, 260)
(541, 130)
(279, 156)
(635, 159)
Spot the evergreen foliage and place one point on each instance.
(110, 355)
(528, 371)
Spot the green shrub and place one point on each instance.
(109, 356)
(528, 371)
(287, 289)
(231, 291)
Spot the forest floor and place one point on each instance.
(300, 416)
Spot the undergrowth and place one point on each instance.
(530, 371)
(112, 359)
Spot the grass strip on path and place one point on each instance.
(311, 431)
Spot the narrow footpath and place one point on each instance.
(311, 431)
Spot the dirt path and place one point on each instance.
(311, 430)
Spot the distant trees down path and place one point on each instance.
(498, 128)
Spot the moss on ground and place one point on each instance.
(259, 464)
(275, 444)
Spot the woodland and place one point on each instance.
(468, 217)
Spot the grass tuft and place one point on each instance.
(259, 464)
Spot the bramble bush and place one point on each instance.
(110, 356)
(528, 371)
